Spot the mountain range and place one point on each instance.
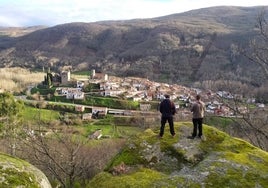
(198, 45)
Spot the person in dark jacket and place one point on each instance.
(167, 109)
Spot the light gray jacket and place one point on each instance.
(198, 109)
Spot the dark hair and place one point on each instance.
(166, 96)
(198, 97)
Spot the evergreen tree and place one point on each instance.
(10, 116)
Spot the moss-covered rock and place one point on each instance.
(219, 161)
(15, 173)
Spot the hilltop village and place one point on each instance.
(136, 89)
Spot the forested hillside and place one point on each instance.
(182, 48)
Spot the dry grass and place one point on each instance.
(17, 79)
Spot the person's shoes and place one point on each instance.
(202, 137)
(190, 137)
(160, 137)
(173, 135)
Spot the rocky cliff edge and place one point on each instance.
(219, 161)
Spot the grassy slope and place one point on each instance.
(31, 114)
(220, 161)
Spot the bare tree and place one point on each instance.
(258, 48)
(249, 121)
(67, 157)
(55, 155)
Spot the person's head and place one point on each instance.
(198, 97)
(166, 96)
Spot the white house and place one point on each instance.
(109, 92)
(79, 108)
(145, 107)
(80, 84)
(75, 95)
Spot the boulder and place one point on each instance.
(15, 172)
(219, 161)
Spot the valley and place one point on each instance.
(80, 100)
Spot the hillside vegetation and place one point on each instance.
(220, 161)
(181, 48)
(18, 79)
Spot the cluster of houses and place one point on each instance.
(136, 89)
(71, 93)
(141, 89)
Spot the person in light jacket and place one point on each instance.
(197, 109)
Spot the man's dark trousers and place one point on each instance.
(171, 125)
(197, 122)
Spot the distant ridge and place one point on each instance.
(179, 48)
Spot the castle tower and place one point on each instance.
(93, 73)
(65, 77)
(106, 77)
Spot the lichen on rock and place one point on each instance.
(15, 172)
(219, 161)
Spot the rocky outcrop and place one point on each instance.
(218, 161)
(15, 172)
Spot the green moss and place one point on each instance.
(255, 179)
(235, 149)
(225, 161)
(214, 139)
(14, 178)
(141, 179)
(129, 156)
(235, 178)
(4, 158)
(15, 172)
(148, 135)
(252, 158)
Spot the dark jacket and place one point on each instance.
(167, 108)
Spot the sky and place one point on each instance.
(24, 13)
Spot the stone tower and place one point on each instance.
(65, 77)
(93, 73)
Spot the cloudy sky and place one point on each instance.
(18, 13)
